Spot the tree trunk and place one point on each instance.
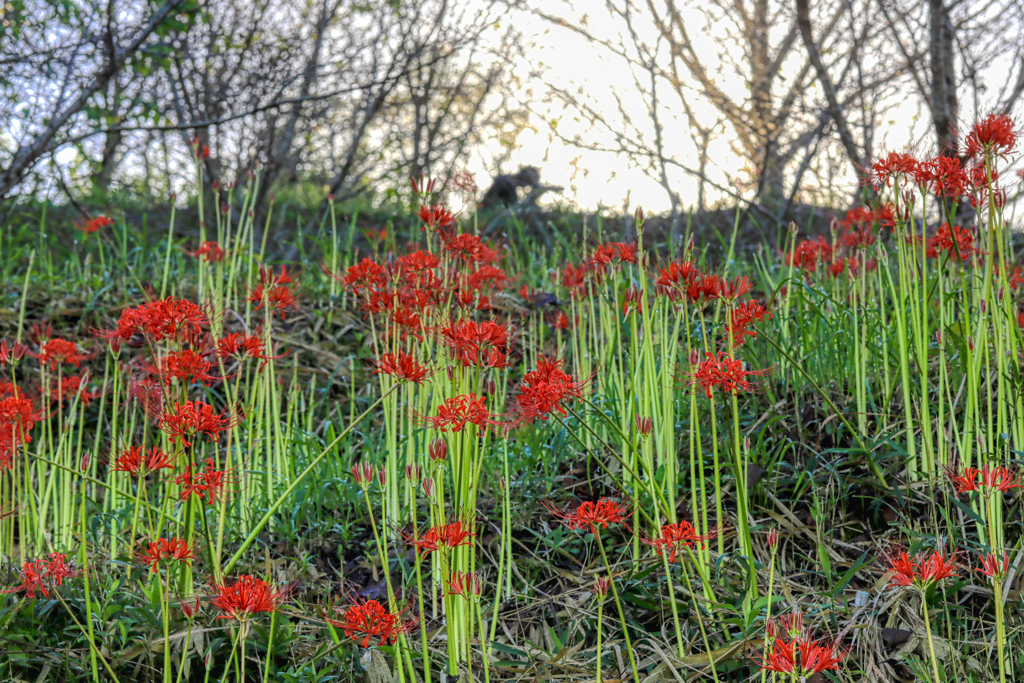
(944, 99)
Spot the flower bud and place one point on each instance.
(638, 216)
(215, 185)
(85, 462)
(694, 357)
(382, 477)
(773, 538)
(438, 450)
(413, 473)
(190, 609)
(644, 425)
(363, 473)
(490, 387)
(601, 586)
(428, 488)
(984, 307)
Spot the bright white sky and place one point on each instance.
(593, 179)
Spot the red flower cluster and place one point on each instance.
(247, 597)
(676, 537)
(442, 537)
(273, 291)
(742, 317)
(171, 318)
(809, 253)
(43, 575)
(134, 461)
(955, 241)
(211, 252)
(57, 352)
(94, 224)
(920, 571)
(211, 482)
(194, 417)
(802, 657)
(996, 133)
(455, 412)
(988, 480)
(724, 373)
(544, 390)
(590, 515)
(366, 620)
(174, 550)
(17, 417)
(477, 344)
(185, 366)
(401, 366)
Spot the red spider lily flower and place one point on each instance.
(455, 412)
(992, 567)
(735, 288)
(469, 249)
(194, 417)
(920, 571)
(897, 166)
(955, 241)
(415, 263)
(211, 482)
(943, 176)
(544, 390)
(32, 579)
(465, 182)
(808, 253)
(676, 537)
(442, 537)
(559, 321)
(277, 298)
(133, 461)
(472, 343)
(57, 352)
(94, 224)
(72, 387)
(590, 515)
(185, 366)
(703, 289)
(155, 552)
(995, 133)
(157, 320)
(676, 274)
(364, 276)
(435, 217)
(992, 479)
(241, 346)
(724, 373)
(17, 417)
(11, 354)
(486, 276)
(57, 569)
(43, 575)
(366, 620)
(247, 597)
(741, 317)
(401, 366)
(803, 657)
(858, 238)
(466, 584)
(837, 267)
(210, 252)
